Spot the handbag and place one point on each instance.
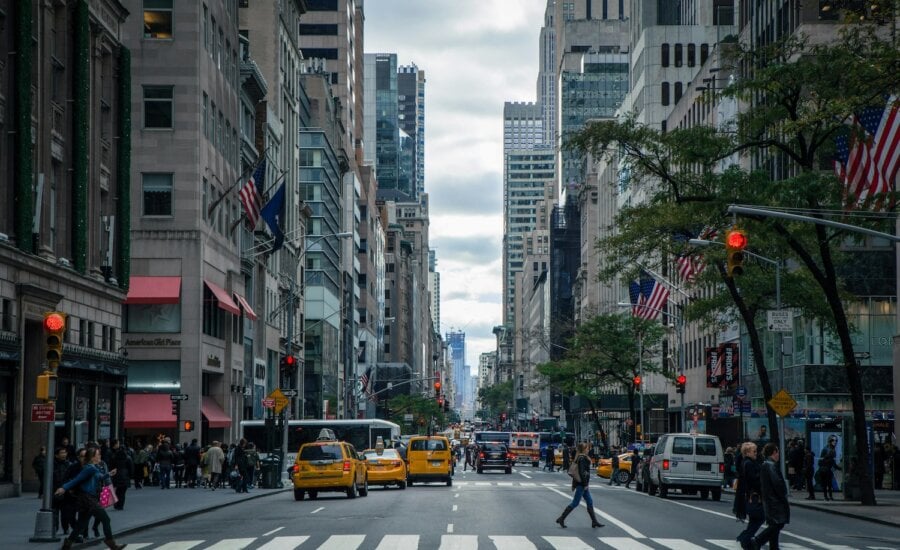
(574, 473)
(108, 496)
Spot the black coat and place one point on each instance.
(192, 455)
(774, 493)
(124, 467)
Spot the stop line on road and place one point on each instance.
(454, 542)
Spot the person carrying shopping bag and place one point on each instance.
(87, 486)
(580, 470)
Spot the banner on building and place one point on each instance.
(713, 368)
(723, 366)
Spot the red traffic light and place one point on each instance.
(682, 379)
(289, 360)
(54, 322)
(637, 380)
(736, 239)
(440, 401)
(437, 386)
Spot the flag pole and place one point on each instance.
(249, 170)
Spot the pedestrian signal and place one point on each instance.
(54, 328)
(735, 243)
(187, 425)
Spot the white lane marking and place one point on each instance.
(399, 542)
(232, 544)
(512, 543)
(139, 544)
(273, 531)
(677, 544)
(620, 524)
(455, 507)
(459, 542)
(456, 495)
(526, 484)
(523, 474)
(317, 510)
(624, 543)
(725, 543)
(449, 527)
(180, 545)
(482, 483)
(791, 546)
(283, 543)
(549, 484)
(343, 542)
(504, 484)
(813, 542)
(567, 543)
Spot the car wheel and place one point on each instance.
(535, 464)
(364, 490)
(479, 470)
(622, 476)
(449, 482)
(717, 494)
(509, 470)
(313, 495)
(651, 489)
(704, 494)
(351, 491)
(663, 490)
(409, 482)
(298, 494)
(402, 485)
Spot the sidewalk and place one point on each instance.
(886, 512)
(144, 508)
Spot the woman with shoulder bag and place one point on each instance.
(750, 491)
(580, 470)
(87, 486)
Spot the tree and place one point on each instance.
(422, 408)
(495, 398)
(604, 358)
(801, 95)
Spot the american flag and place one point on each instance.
(637, 299)
(867, 160)
(250, 195)
(365, 381)
(655, 296)
(691, 265)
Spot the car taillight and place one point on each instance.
(293, 469)
(665, 464)
(396, 462)
(346, 465)
(721, 467)
(510, 456)
(481, 456)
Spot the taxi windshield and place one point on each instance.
(321, 452)
(428, 445)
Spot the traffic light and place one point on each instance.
(176, 408)
(637, 382)
(54, 328)
(288, 363)
(680, 382)
(735, 243)
(437, 389)
(440, 402)
(187, 425)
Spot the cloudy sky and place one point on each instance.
(476, 55)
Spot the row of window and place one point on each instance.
(218, 130)
(220, 49)
(678, 61)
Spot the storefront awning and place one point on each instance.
(248, 311)
(225, 301)
(153, 290)
(149, 410)
(214, 413)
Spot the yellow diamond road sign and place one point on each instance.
(782, 403)
(280, 400)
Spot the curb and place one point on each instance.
(844, 513)
(174, 518)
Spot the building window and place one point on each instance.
(158, 106)
(664, 55)
(665, 93)
(678, 91)
(205, 115)
(157, 193)
(678, 55)
(704, 53)
(213, 317)
(692, 55)
(158, 19)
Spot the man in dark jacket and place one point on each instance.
(60, 467)
(239, 459)
(191, 462)
(614, 460)
(774, 497)
(165, 458)
(124, 467)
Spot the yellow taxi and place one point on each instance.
(329, 465)
(604, 467)
(428, 459)
(386, 467)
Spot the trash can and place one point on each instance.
(270, 472)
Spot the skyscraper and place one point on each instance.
(411, 100)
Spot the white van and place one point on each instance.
(689, 462)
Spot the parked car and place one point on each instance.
(493, 455)
(689, 462)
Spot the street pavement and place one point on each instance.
(490, 511)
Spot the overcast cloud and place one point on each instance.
(476, 55)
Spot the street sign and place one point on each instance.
(741, 392)
(178, 397)
(290, 393)
(280, 400)
(43, 412)
(779, 320)
(268, 403)
(862, 355)
(782, 403)
(407, 417)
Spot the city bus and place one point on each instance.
(361, 433)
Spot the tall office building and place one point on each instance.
(456, 341)
(434, 289)
(411, 107)
(546, 82)
(382, 124)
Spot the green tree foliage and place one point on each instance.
(796, 96)
(495, 398)
(423, 409)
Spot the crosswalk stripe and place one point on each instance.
(729, 544)
(280, 543)
(512, 543)
(792, 546)
(568, 543)
(232, 544)
(459, 542)
(137, 545)
(180, 545)
(624, 543)
(504, 484)
(482, 483)
(678, 544)
(527, 484)
(342, 542)
(398, 542)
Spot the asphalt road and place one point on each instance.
(494, 510)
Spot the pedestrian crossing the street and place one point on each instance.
(463, 542)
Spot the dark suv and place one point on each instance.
(494, 455)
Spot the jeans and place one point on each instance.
(582, 491)
(613, 477)
(755, 518)
(165, 476)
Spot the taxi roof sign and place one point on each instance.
(326, 434)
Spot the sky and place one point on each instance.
(476, 54)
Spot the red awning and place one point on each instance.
(248, 311)
(153, 290)
(149, 410)
(214, 413)
(225, 301)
